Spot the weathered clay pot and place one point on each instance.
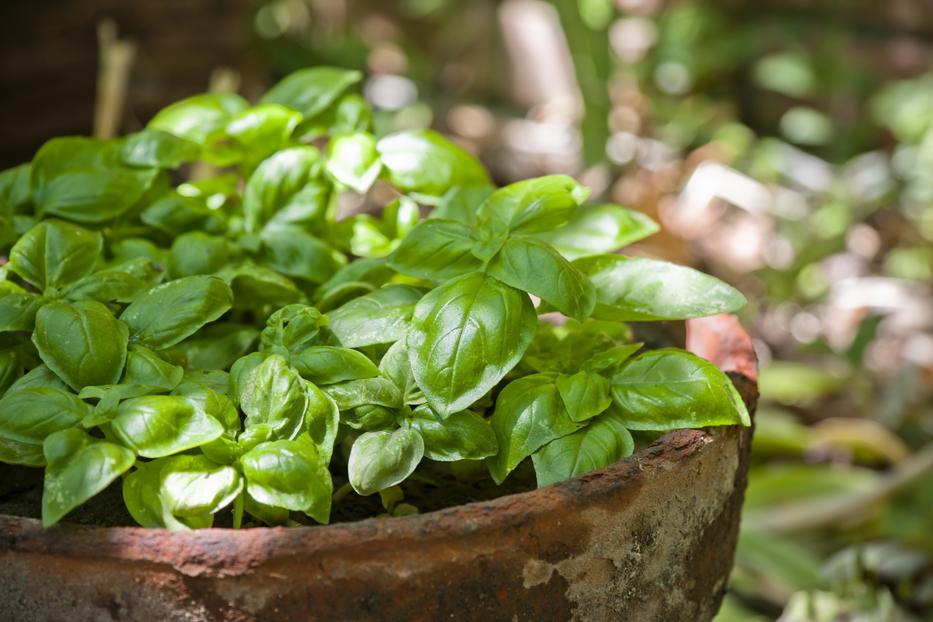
(648, 538)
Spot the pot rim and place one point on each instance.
(721, 339)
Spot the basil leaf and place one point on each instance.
(282, 182)
(198, 253)
(529, 414)
(18, 308)
(670, 389)
(81, 342)
(82, 179)
(78, 467)
(30, 414)
(120, 283)
(601, 443)
(142, 494)
(145, 367)
(535, 267)
(257, 286)
(194, 485)
(380, 460)
(273, 394)
(215, 346)
(175, 215)
(322, 420)
(55, 253)
(262, 130)
(11, 368)
(14, 190)
(158, 149)
(426, 163)
(198, 117)
(465, 336)
(370, 417)
(584, 394)
(596, 229)
(437, 250)
(293, 329)
(291, 250)
(380, 317)
(194, 301)
(25, 454)
(461, 204)
(369, 272)
(310, 91)
(396, 366)
(160, 425)
(610, 360)
(460, 436)
(631, 289)
(291, 475)
(330, 364)
(352, 160)
(40, 376)
(532, 205)
(369, 391)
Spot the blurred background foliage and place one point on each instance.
(785, 145)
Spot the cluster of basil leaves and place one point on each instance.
(227, 342)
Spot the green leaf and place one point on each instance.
(329, 364)
(379, 460)
(29, 415)
(352, 160)
(611, 359)
(292, 329)
(273, 394)
(215, 346)
(14, 190)
(55, 253)
(81, 342)
(291, 250)
(310, 91)
(157, 149)
(198, 117)
(79, 467)
(160, 425)
(145, 367)
(380, 317)
(262, 130)
(283, 182)
(142, 494)
(25, 454)
(670, 389)
(194, 301)
(529, 414)
(601, 443)
(198, 253)
(460, 436)
(597, 229)
(426, 163)
(396, 366)
(257, 286)
(584, 394)
(194, 485)
(290, 475)
(465, 336)
(82, 179)
(322, 421)
(18, 308)
(631, 289)
(532, 205)
(461, 204)
(536, 268)
(120, 283)
(365, 392)
(437, 250)
(175, 215)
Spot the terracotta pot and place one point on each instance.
(648, 538)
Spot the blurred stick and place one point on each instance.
(847, 508)
(116, 59)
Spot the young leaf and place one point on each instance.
(601, 443)
(262, 130)
(670, 389)
(396, 367)
(55, 253)
(322, 421)
(291, 475)
(532, 205)
(194, 301)
(461, 436)
(158, 149)
(310, 91)
(142, 494)
(426, 163)
(465, 336)
(293, 329)
(282, 183)
(366, 392)
(630, 289)
(597, 229)
(330, 364)
(78, 467)
(160, 425)
(273, 394)
(198, 117)
(437, 250)
(529, 414)
(535, 267)
(584, 394)
(379, 460)
(145, 367)
(81, 342)
(380, 317)
(352, 160)
(194, 485)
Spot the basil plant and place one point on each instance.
(228, 345)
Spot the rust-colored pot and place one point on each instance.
(648, 538)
